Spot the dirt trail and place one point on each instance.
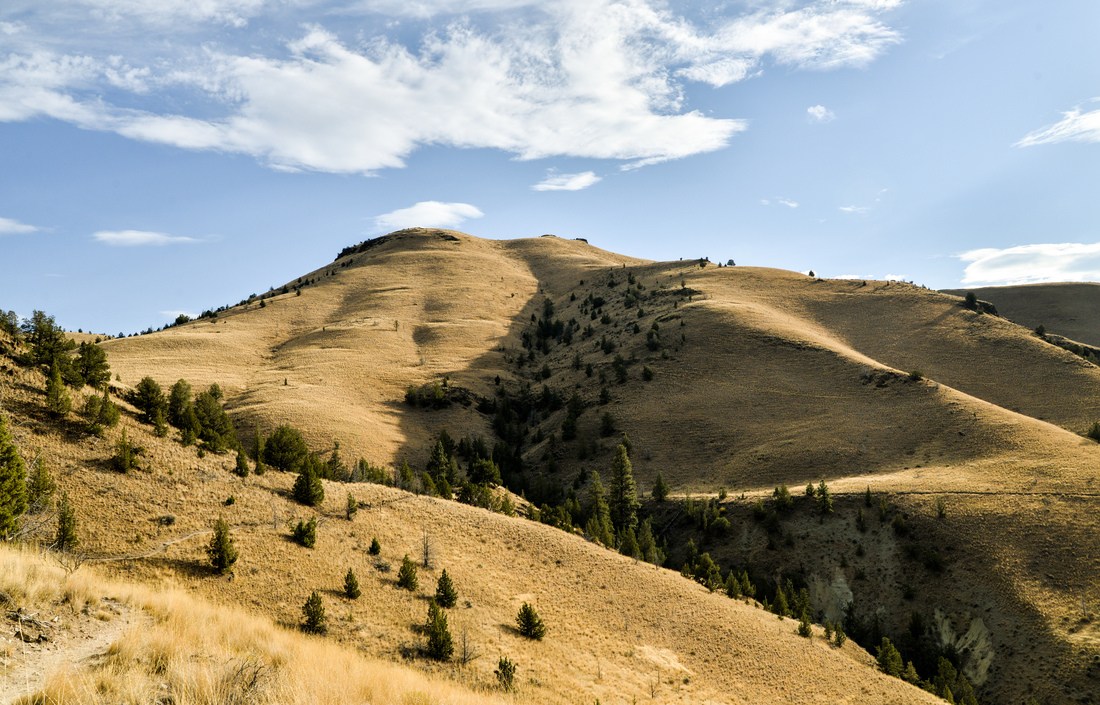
(69, 643)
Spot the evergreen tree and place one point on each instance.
(406, 576)
(313, 612)
(747, 588)
(647, 544)
(440, 645)
(149, 398)
(733, 585)
(623, 495)
(65, 539)
(445, 593)
(350, 507)
(375, 547)
(179, 401)
(305, 533)
(351, 586)
(484, 472)
(49, 346)
(58, 402)
(123, 459)
(781, 607)
(889, 659)
(100, 412)
(13, 479)
(335, 468)
(215, 427)
(91, 365)
(824, 499)
(505, 673)
(839, 637)
(804, 628)
(529, 623)
(221, 551)
(40, 488)
(660, 488)
(308, 489)
(628, 544)
(286, 449)
(599, 526)
(242, 469)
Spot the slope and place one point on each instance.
(1067, 308)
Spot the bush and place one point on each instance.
(123, 459)
(221, 551)
(351, 586)
(305, 533)
(406, 576)
(529, 623)
(505, 673)
(445, 593)
(313, 612)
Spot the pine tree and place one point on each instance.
(308, 489)
(40, 488)
(628, 544)
(350, 507)
(804, 628)
(13, 478)
(889, 659)
(623, 494)
(221, 551)
(305, 533)
(375, 547)
(647, 544)
(313, 612)
(529, 623)
(599, 526)
(781, 606)
(123, 459)
(505, 673)
(242, 469)
(149, 398)
(406, 576)
(445, 593)
(351, 586)
(839, 637)
(58, 401)
(65, 539)
(179, 401)
(825, 500)
(733, 585)
(660, 489)
(440, 645)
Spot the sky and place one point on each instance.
(169, 156)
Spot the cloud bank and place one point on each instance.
(140, 238)
(1030, 264)
(427, 214)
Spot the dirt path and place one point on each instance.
(71, 641)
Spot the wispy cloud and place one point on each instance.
(854, 210)
(1027, 264)
(428, 214)
(567, 182)
(140, 238)
(14, 227)
(176, 313)
(1075, 126)
(600, 79)
(788, 202)
(819, 113)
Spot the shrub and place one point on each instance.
(305, 533)
(529, 623)
(505, 673)
(351, 586)
(221, 551)
(971, 301)
(351, 507)
(313, 612)
(915, 375)
(445, 593)
(123, 459)
(406, 576)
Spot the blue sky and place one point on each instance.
(165, 156)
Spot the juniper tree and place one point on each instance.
(529, 623)
(375, 547)
(13, 478)
(445, 593)
(65, 539)
(179, 401)
(304, 533)
(406, 576)
(313, 613)
(351, 586)
(91, 365)
(221, 551)
(242, 469)
(623, 494)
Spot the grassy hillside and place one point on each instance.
(1067, 309)
(722, 377)
(618, 629)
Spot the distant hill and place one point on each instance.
(1068, 309)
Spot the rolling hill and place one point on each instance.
(1067, 309)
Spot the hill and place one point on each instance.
(726, 381)
(1068, 308)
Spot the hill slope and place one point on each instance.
(1068, 309)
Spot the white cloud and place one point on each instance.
(856, 210)
(787, 202)
(174, 314)
(427, 214)
(1075, 126)
(819, 113)
(14, 227)
(1027, 264)
(138, 238)
(567, 182)
(599, 79)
